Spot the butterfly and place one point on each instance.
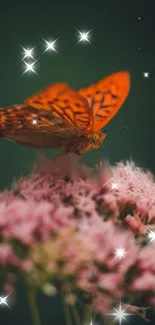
(67, 119)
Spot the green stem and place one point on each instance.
(94, 317)
(33, 305)
(106, 321)
(76, 316)
(87, 315)
(66, 312)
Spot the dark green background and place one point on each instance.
(116, 34)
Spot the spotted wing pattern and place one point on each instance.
(106, 97)
(60, 117)
(63, 103)
(47, 119)
(21, 117)
(27, 126)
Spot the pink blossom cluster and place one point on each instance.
(133, 199)
(64, 222)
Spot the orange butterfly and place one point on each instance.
(60, 117)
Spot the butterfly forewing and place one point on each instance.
(63, 103)
(47, 119)
(106, 97)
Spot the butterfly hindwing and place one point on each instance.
(106, 97)
(22, 125)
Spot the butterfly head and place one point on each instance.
(97, 139)
(93, 141)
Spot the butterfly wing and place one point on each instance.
(63, 103)
(38, 129)
(106, 97)
(49, 119)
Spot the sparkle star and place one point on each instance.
(51, 46)
(28, 53)
(146, 74)
(120, 252)
(34, 121)
(114, 186)
(3, 301)
(120, 314)
(84, 36)
(151, 236)
(30, 67)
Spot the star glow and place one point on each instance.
(120, 252)
(3, 301)
(28, 53)
(51, 46)
(120, 314)
(84, 36)
(30, 67)
(146, 74)
(114, 186)
(151, 236)
(34, 122)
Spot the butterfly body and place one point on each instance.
(66, 119)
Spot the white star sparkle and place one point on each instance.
(114, 186)
(50, 46)
(3, 301)
(146, 74)
(120, 314)
(28, 53)
(151, 236)
(30, 67)
(84, 36)
(120, 252)
(34, 121)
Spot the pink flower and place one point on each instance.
(145, 282)
(135, 223)
(65, 223)
(7, 256)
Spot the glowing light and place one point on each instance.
(120, 314)
(151, 236)
(3, 301)
(120, 252)
(84, 36)
(30, 67)
(50, 46)
(139, 18)
(34, 121)
(28, 53)
(146, 74)
(114, 186)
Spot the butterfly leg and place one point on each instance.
(99, 163)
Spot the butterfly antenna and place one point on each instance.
(125, 128)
